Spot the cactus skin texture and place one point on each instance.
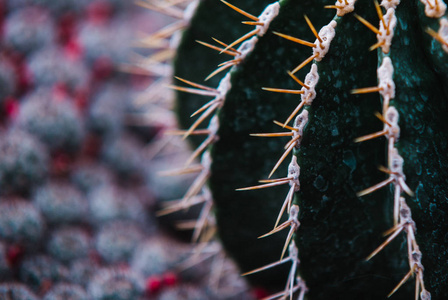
(338, 229)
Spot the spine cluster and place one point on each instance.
(307, 93)
(403, 221)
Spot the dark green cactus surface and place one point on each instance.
(338, 229)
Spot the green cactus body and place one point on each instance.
(338, 227)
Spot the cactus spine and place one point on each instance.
(334, 222)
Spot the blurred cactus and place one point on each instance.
(106, 113)
(60, 203)
(123, 155)
(56, 122)
(20, 222)
(116, 284)
(151, 258)
(23, 162)
(68, 244)
(76, 200)
(29, 29)
(115, 241)
(109, 203)
(52, 66)
(88, 176)
(41, 271)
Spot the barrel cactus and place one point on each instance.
(337, 109)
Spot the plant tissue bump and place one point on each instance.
(325, 149)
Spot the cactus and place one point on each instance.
(60, 203)
(29, 29)
(54, 121)
(107, 112)
(109, 203)
(116, 284)
(23, 162)
(116, 241)
(68, 244)
(20, 222)
(334, 204)
(151, 258)
(51, 66)
(40, 271)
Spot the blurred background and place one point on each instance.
(82, 145)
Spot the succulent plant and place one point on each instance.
(333, 205)
(104, 41)
(108, 203)
(51, 66)
(124, 156)
(39, 271)
(88, 176)
(107, 112)
(60, 202)
(69, 243)
(54, 120)
(116, 284)
(23, 162)
(82, 270)
(28, 30)
(20, 222)
(152, 258)
(115, 241)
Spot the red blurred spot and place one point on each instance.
(91, 146)
(66, 27)
(95, 256)
(2, 9)
(141, 81)
(157, 129)
(23, 75)
(153, 284)
(45, 286)
(170, 279)
(11, 106)
(99, 12)
(14, 255)
(259, 293)
(102, 68)
(73, 50)
(61, 163)
(60, 91)
(123, 266)
(81, 99)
